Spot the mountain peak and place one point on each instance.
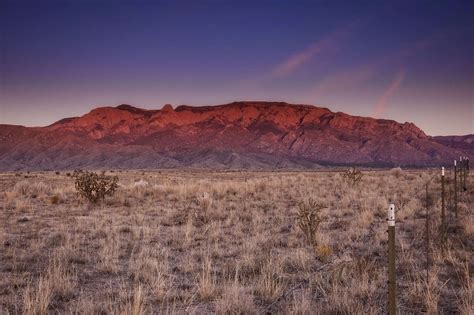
(261, 133)
(131, 109)
(167, 108)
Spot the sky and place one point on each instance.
(403, 60)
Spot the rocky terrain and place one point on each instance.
(236, 135)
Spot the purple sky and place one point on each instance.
(397, 60)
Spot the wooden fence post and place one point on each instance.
(427, 233)
(392, 302)
(443, 206)
(455, 190)
(467, 171)
(464, 160)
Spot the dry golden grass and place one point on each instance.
(228, 243)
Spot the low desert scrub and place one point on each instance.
(94, 187)
(62, 276)
(235, 299)
(426, 292)
(141, 184)
(22, 205)
(31, 189)
(189, 229)
(55, 199)
(302, 303)
(323, 252)
(204, 201)
(270, 283)
(229, 242)
(300, 260)
(397, 172)
(109, 253)
(466, 299)
(350, 288)
(37, 297)
(469, 226)
(136, 303)
(57, 283)
(206, 280)
(150, 267)
(309, 219)
(352, 176)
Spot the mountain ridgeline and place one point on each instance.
(250, 135)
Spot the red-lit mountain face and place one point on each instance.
(236, 135)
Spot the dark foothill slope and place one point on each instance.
(236, 135)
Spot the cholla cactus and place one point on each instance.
(353, 176)
(94, 187)
(309, 218)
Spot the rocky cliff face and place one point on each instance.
(237, 135)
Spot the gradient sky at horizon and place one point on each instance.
(403, 60)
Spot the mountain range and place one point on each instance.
(236, 135)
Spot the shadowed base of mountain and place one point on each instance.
(240, 135)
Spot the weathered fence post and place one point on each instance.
(443, 205)
(467, 172)
(464, 186)
(392, 303)
(455, 190)
(427, 231)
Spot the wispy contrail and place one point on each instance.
(382, 102)
(327, 42)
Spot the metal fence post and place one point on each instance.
(392, 303)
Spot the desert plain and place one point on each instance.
(229, 242)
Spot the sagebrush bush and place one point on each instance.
(94, 187)
(397, 172)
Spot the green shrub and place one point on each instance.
(93, 186)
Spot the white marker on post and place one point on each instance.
(454, 162)
(442, 171)
(391, 215)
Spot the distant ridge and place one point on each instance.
(237, 135)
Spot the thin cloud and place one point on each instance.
(356, 77)
(326, 43)
(382, 102)
(344, 80)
